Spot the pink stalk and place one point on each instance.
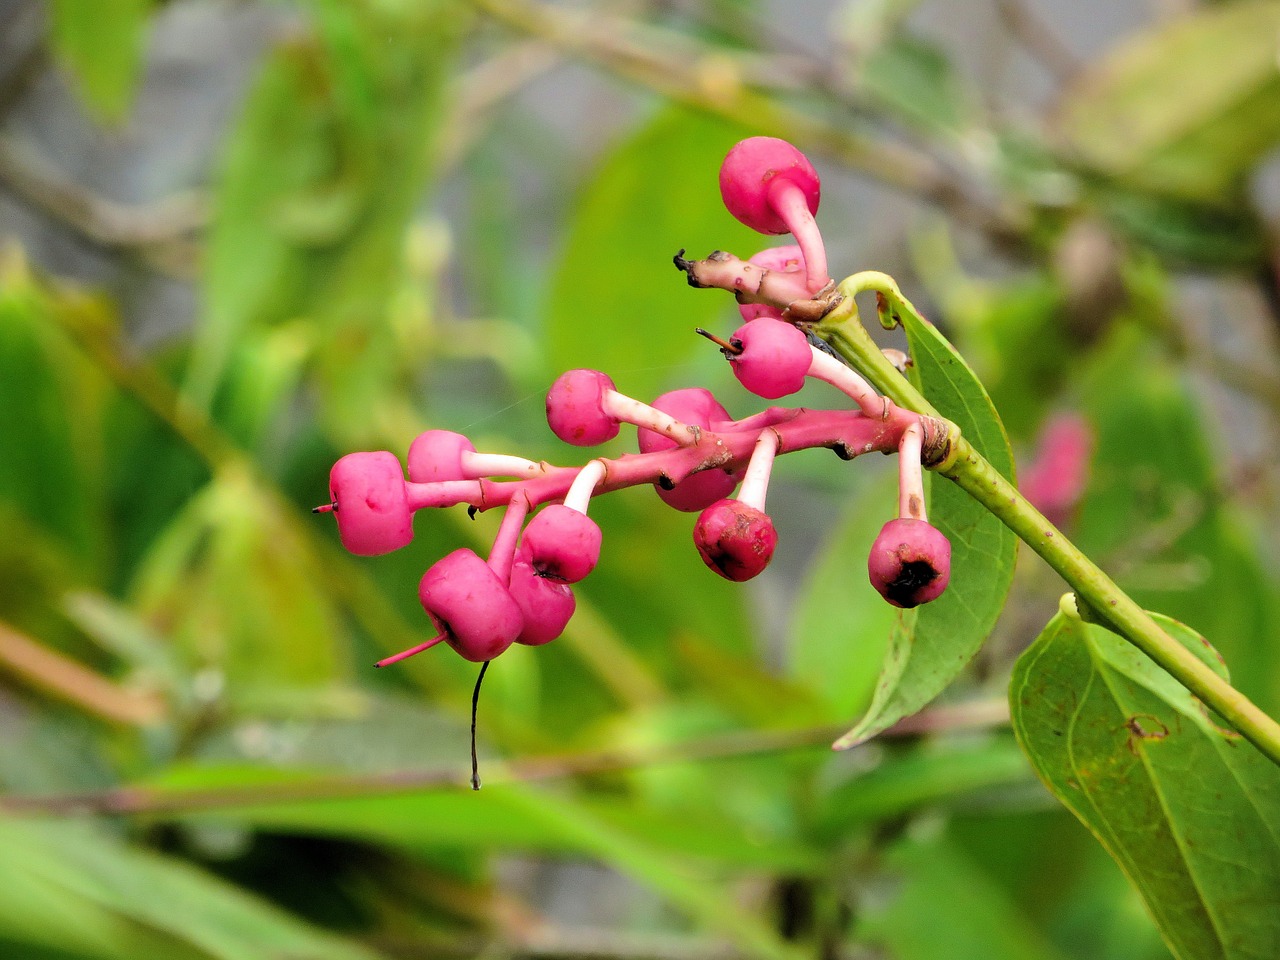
(792, 204)
(621, 407)
(405, 654)
(830, 370)
(755, 483)
(584, 485)
(504, 544)
(911, 474)
(849, 432)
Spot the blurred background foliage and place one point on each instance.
(238, 239)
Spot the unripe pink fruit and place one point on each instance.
(547, 605)
(562, 543)
(752, 175)
(735, 540)
(774, 358)
(698, 407)
(785, 259)
(436, 455)
(371, 503)
(910, 562)
(470, 605)
(575, 408)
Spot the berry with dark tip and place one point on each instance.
(910, 562)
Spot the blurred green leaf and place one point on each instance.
(903, 783)
(239, 591)
(52, 456)
(616, 302)
(914, 82)
(1154, 516)
(505, 816)
(102, 43)
(318, 185)
(1189, 810)
(939, 906)
(1187, 107)
(70, 890)
(931, 644)
(841, 625)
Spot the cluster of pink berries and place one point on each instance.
(690, 450)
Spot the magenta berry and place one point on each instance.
(734, 539)
(437, 455)
(771, 187)
(371, 503)
(910, 562)
(773, 358)
(576, 408)
(785, 259)
(756, 172)
(699, 407)
(470, 606)
(1055, 480)
(562, 543)
(546, 605)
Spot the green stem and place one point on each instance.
(969, 470)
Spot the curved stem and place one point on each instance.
(790, 203)
(969, 470)
(755, 482)
(911, 475)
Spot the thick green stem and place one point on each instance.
(977, 477)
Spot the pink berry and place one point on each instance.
(547, 605)
(774, 360)
(698, 407)
(436, 455)
(371, 503)
(769, 185)
(753, 175)
(785, 259)
(735, 540)
(1055, 480)
(575, 408)
(470, 605)
(910, 562)
(562, 543)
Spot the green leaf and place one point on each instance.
(1186, 108)
(914, 82)
(616, 301)
(839, 656)
(237, 588)
(902, 784)
(102, 43)
(1190, 811)
(320, 180)
(69, 889)
(931, 644)
(1155, 515)
(943, 907)
(504, 816)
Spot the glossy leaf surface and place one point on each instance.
(931, 644)
(1189, 810)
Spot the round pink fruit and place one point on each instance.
(562, 543)
(698, 407)
(910, 562)
(774, 360)
(575, 408)
(735, 540)
(752, 176)
(436, 455)
(371, 503)
(547, 605)
(470, 606)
